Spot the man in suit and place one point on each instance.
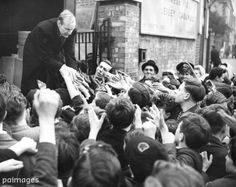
(215, 58)
(48, 51)
(150, 70)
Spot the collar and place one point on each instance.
(57, 30)
(214, 140)
(193, 108)
(15, 128)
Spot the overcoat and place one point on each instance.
(45, 51)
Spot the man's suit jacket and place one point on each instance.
(45, 51)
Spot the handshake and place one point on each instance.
(68, 72)
(75, 80)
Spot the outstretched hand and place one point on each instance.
(95, 123)
(137, 117)
(24, 145)
(10, 165)
(166, 135)
(149, 129)
(206, 162)
(67, 71)
(155, 113)
(46, 103)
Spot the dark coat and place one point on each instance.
(115, 137)
(219, 151)
(190, 157)
(6, 154)
(45, 51)
(215, 59)
(194, 109)
(228, 181)
(23, 173)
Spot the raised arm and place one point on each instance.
(46, 103)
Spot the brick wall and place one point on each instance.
(125, 31)
(168, 52)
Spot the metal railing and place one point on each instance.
(95, 44)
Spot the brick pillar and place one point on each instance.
(124, 16)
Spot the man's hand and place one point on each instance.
(167, 137)
(24, 145)
(160, 87)
(95, 123)
(155, 113)
(64, 72)
(46, 103)
(149, 129)
(206, 163)
(83, 90)
(137, 117)
(29, 145)
(10, 165)
(68, 71)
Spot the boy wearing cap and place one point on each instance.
(141, 153)
(190, 92)
(185, 69)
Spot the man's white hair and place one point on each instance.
(67, 16)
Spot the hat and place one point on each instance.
(215, 98)
(106, 61)
(216, 71)
(139, 94)
(169, 72)
(198, 93)
(180, 66)
(141, 153)
(225, 89)
(151, 63)
(195, 88)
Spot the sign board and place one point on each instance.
(171, 18)
(85, 12)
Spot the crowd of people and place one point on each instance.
(176, 129)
